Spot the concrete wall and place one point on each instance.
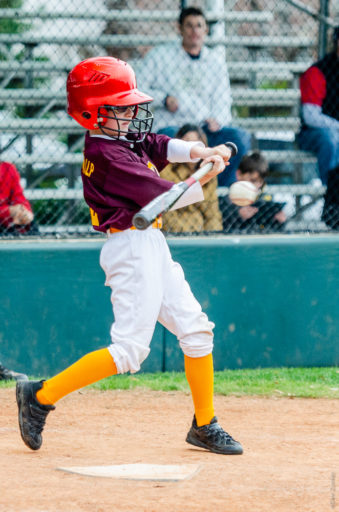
(274, 301)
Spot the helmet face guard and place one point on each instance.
(102, 88)
(140, 124)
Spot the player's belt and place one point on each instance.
(157, 224)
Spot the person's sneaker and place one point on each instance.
(212, 437)
(32, 414)
(6, 374)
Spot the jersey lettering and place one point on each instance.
(87, 167)
(153, 168)
(94, 217)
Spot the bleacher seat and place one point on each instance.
(45, 107)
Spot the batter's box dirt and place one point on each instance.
(290, 459)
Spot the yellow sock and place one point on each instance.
(90, 368)
(199, 374)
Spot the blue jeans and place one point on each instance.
(324, 142)
(240, 137)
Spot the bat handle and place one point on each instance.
(232, 147)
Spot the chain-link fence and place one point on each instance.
(243, 84)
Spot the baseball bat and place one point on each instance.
(161, 204)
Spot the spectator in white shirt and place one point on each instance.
(190, 84)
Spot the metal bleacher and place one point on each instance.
(44, 105)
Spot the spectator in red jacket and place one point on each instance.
(319, 87)
(16, 214)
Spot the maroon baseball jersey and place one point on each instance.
(119, 177)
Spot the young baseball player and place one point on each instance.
(120, 175)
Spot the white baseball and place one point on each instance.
(243, 193)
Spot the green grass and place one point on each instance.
(288, 382)
(298, 382)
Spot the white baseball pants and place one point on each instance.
(147, 285)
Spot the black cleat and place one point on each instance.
(32, 414)
(6, 374)
(212, 437)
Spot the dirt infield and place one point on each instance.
(290, 460)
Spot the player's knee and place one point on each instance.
(128, 357)
(197, 344)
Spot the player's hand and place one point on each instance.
(218, 167)
(200, 152)
(172, 104)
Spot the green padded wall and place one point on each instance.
(274, 301)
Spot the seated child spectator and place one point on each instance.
(264, 214)
(16, 214)
(204, 216)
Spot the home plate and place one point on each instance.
(171, 473)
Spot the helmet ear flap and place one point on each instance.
(102, 115)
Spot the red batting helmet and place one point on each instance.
(96, 85)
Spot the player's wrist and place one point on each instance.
(198, 151)
(179, 150)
